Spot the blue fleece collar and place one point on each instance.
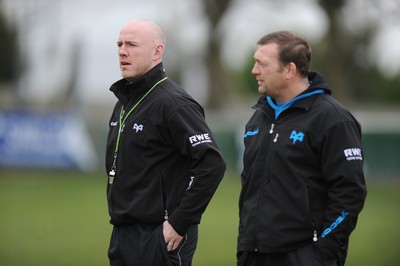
(280, 107)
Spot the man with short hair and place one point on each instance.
(302, 183)
(162, 161)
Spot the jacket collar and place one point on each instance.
(124, 91)
(317, 82)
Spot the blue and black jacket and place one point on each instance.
(302, 180)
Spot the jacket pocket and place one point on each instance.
(310, 214)
(164, 195)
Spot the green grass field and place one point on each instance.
(60, 218)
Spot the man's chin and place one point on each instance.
(261, 90)
(127, 77)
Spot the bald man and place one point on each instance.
(162, 160)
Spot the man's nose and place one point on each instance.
(122, 50)
(254, 70)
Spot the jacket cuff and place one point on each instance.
(180, 222)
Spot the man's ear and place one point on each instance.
(291, 70)
(158, 52)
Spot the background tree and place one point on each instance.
(342, 57)
(8, 52)
(219, 81)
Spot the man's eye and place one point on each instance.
(262, 64)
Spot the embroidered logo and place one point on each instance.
(294, 136)
(250, 133)
(353, 154)
(199, 139)
(335, 224)
(137, 127)
(114, 124)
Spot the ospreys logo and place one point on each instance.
(200, 139)
(137, 127)
(294, 136)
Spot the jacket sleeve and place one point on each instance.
(194, 139)
(342, 166)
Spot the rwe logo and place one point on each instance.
(353, 154)
(199, 139)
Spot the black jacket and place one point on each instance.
(168, 163)
(303, 175)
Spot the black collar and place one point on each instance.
(124, 90)
(317, 82)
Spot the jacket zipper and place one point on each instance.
(315, 234)
(272, 129)
(164, 197)
(268, 161)
(315, 238)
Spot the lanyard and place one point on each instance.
(122, 121)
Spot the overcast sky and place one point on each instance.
(51, 30)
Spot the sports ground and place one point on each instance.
(60, 218)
